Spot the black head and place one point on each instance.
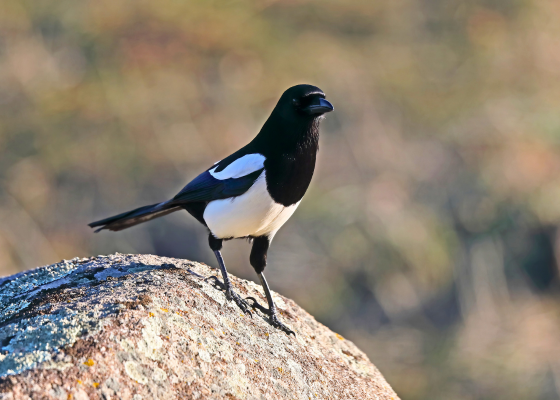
(303, 102)
(294, 122)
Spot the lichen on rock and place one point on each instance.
(147, 327)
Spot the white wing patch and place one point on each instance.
(241, 167)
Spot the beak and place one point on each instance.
(318, 106)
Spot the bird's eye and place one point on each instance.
(296, 102)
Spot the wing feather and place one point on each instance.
(238, 168)
(206, 188)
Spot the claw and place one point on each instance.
(277, 324)
(230, 294)
(241, 303)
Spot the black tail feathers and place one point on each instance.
(134, 217)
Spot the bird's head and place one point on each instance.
(303, 102)
(294, 122)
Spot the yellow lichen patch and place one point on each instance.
(281, 370)
(96, 384)
(70, 397)
(79, 381)
(339, 336)
(164, 309)
(151, 314)
(89, 362)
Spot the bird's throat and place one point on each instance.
(289, 172)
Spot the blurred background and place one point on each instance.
(429, 235)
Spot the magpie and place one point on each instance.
(254, 191)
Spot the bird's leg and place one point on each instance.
(230, 294)
(272, 308)
(258, 261)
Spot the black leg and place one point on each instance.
(258, 261)
(216, 245)
(272, 308)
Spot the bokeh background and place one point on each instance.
(430, 233)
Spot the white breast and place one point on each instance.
(254, 213)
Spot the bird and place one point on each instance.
(251, 193)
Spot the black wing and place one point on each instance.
(202, 189)
(206, 188)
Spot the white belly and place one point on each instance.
(254, 213)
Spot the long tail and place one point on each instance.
(135, 217)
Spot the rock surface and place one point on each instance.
(147, 327)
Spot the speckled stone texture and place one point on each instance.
(146, 327)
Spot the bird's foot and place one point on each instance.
(277, 324)
(241, 302)
(231, 295)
